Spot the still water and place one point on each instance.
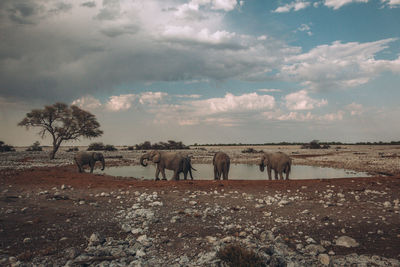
(236, 172)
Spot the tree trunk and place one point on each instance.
(55, 149)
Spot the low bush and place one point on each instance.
(35, 147)
(169, 145)
(251, 150)
(100, 146)
(5, 147)
(234, 255)
(72, 149)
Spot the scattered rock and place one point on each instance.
(346, 241)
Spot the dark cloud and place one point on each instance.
(89, 4)
(20, 12)
(117, 31)
(109, 11)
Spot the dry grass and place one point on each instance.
(235, 255)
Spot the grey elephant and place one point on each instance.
(221, 164)
(176, 162)
(186, 168)
(86, 158)
(278, 161)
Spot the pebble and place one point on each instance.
(346, 241)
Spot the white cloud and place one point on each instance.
(339, 65)
(302, 117)
(392, 3)
(355, 109)
(262, 38)
(269, 90)
(87, 102)
(301, 101)
(336, 4)
(305, 28)
(188, 96)
(151, 98)
(293, 6)
(204, 36)
(121, 102)
(232, 103)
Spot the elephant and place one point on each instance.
(186, 167)
(85, 158)
(278, 161)
(176, 162)
(221, 164)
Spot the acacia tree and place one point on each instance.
(63, 123)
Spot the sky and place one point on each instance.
(205, 71)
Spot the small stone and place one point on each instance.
(82, 202)
(63, 238)
(63, 187)
(324, 259)
(126, 228)
(27, 240)
(94, 239)
(211, 239)
(136, 231)
(140, 253)
(346, 241)
(310, 240)
(387, 204)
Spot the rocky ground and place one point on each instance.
(52, 215)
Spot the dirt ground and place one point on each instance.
(45, 210)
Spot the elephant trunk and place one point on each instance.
(262, 166)
(103, 164)
(142, 158)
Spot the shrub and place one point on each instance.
(72, 149)
(100, 146)
(6, 148)
(251, 150)
(96, 146)
(110, 148)
(234, 255)
(35, 147)
(171, 144)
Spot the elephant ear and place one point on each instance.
(156, 157)
(94, 156)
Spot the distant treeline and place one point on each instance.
(170, 144)
(303, 143)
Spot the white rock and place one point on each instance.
(346, 241)
(211, 239)
(324, 259)
(387, 204)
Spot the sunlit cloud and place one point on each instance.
(301, 101)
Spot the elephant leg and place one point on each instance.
(269, 173)
(163, 174)
(280, 175)
(224, 174)
(175, 176)
(91, 166)
(185, 175)
(276, 174)
(79, 167)
(215, 173)
(157, 173)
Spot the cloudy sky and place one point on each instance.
(205, 71)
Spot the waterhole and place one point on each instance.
(236, 172)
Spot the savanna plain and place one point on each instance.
(52, 215)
